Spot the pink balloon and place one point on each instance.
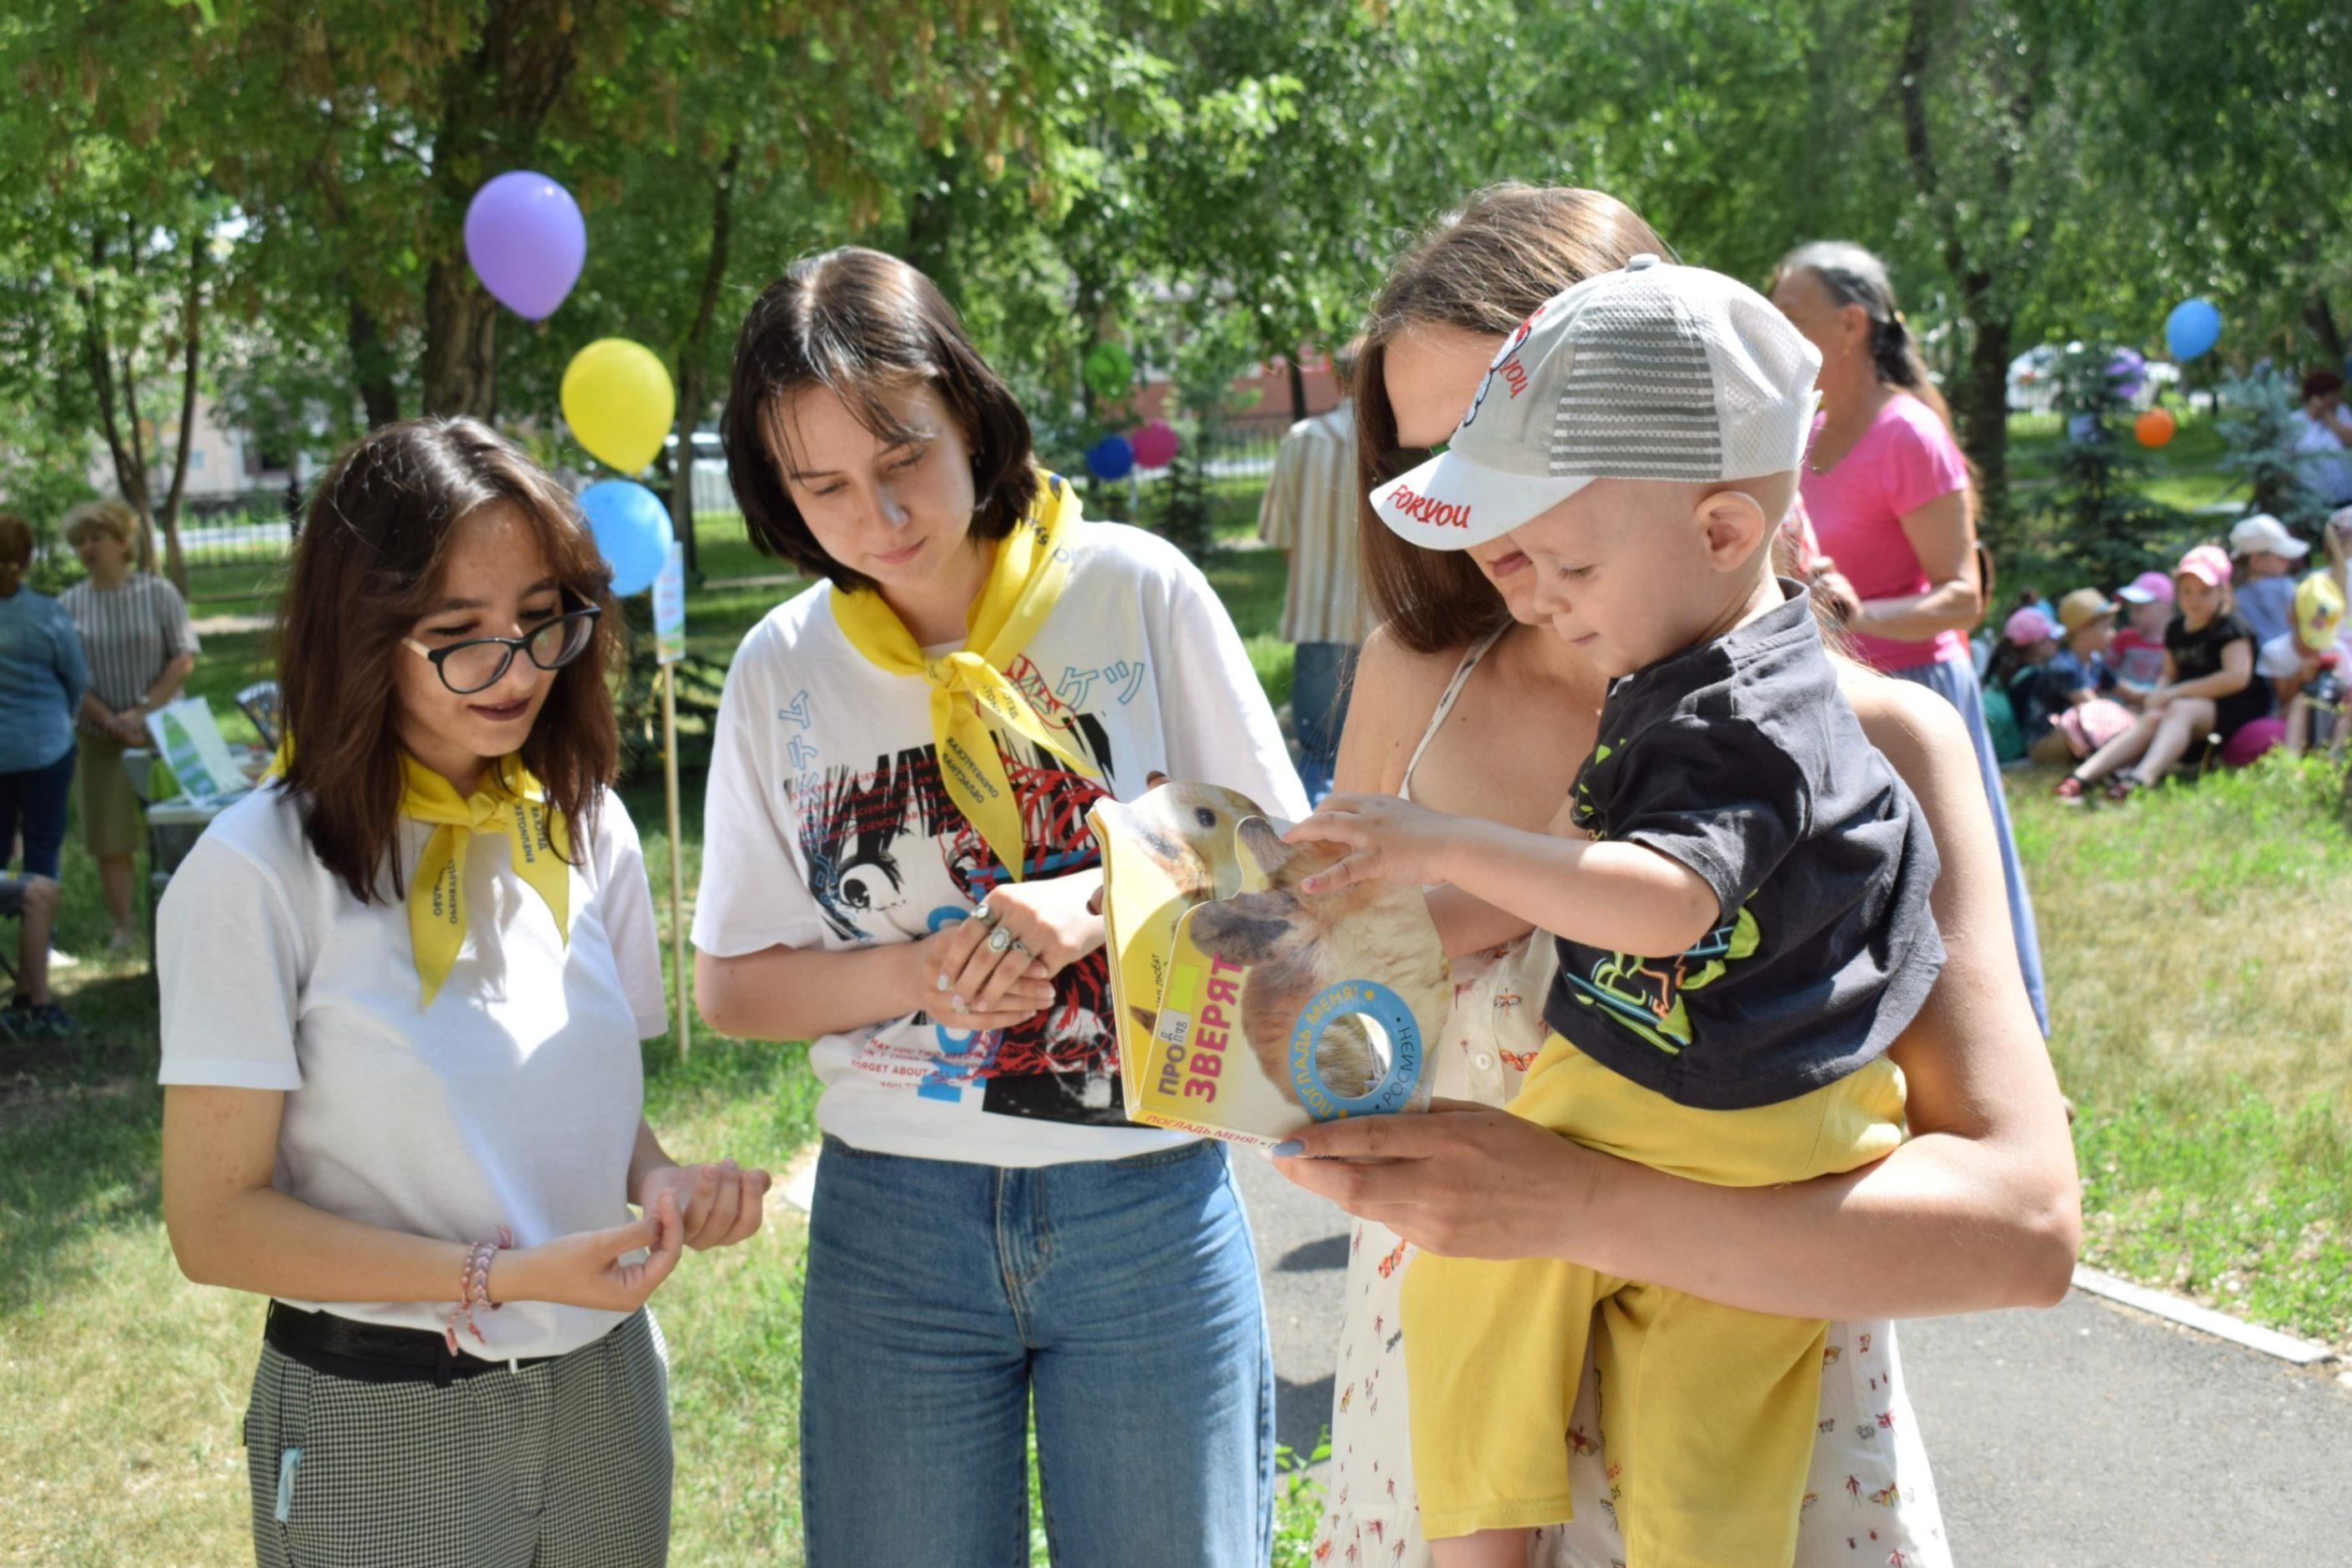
(526, 239)
(1155, 445)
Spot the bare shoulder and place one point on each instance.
(1394, 691)
(1920, 733)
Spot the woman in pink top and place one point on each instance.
(1887, 489)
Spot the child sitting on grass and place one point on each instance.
(2305, 666)
(1738, 890)
(2208, 690)
(2137, 652)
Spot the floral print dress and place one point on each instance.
(1869, 1498)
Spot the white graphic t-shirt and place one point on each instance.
(825, 825)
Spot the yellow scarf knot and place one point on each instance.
(969, 687)
(510, 802)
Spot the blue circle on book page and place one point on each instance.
(1356, 998)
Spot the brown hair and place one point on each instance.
(1483, 268)
(15, 540)
(369, 563)
(858, 322)
(2321, 383)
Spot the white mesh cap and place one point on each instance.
(1655, 372)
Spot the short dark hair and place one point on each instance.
(2321, 383)
(857, 322)
(16, 539)
(368, 564)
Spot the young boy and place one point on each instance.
(1741, 934)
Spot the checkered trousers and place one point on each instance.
(561, 1465)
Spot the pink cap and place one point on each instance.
(2148, 588)
(2028, 626)
(2208, 563)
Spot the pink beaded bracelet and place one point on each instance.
(474, 1289)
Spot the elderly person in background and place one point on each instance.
(1891, 495)
(2322, 433)
(136, 634)
(42, 677)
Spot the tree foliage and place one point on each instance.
(281, 186)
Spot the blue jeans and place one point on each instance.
(1321, 676)
(1120, 1295)
(1954, 682)
(36, 798)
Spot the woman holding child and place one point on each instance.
(990, 1236)
(1477, 706)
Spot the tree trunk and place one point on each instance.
(1298, 387)
(690, 361)
(175, 563)
(461, 341)
(123, 448)
(2321, 319)
(494, 100)
(371, 365)
(1980, 409)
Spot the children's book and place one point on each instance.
(1246, 1009)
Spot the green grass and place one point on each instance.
(2195, 946)
(2193, 941)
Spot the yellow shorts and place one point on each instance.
(1707, 1411)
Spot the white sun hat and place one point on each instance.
(2263, 534)
(1654, 371)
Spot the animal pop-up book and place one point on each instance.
(1246, 1009)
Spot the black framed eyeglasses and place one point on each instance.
(479, 663)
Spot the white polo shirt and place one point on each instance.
(514, 1099)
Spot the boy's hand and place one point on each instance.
(1388, 839)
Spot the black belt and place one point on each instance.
(374, 1352)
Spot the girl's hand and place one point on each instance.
(1054, 920)
(591, 1268)
(949, 958)
(1464, 1181)
(719, 1205)
(1386, 838)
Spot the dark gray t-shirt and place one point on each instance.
(1741, 759)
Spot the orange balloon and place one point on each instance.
(2155, 428)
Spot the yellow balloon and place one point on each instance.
(618, 401)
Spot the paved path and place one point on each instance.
(2085, 1436)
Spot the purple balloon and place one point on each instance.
(2129, 370)
(526, 240)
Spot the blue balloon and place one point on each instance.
(2194, 327)
(1112, 457)
(632, 531)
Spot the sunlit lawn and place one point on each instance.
(2195, 945)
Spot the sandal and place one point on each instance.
(2121, 786)
(2069, 791)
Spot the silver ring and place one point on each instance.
(983, 914)
(999, 939)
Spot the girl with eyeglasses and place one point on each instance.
(404, 984)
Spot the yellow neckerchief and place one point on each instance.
(537, 845)
(969, 686)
